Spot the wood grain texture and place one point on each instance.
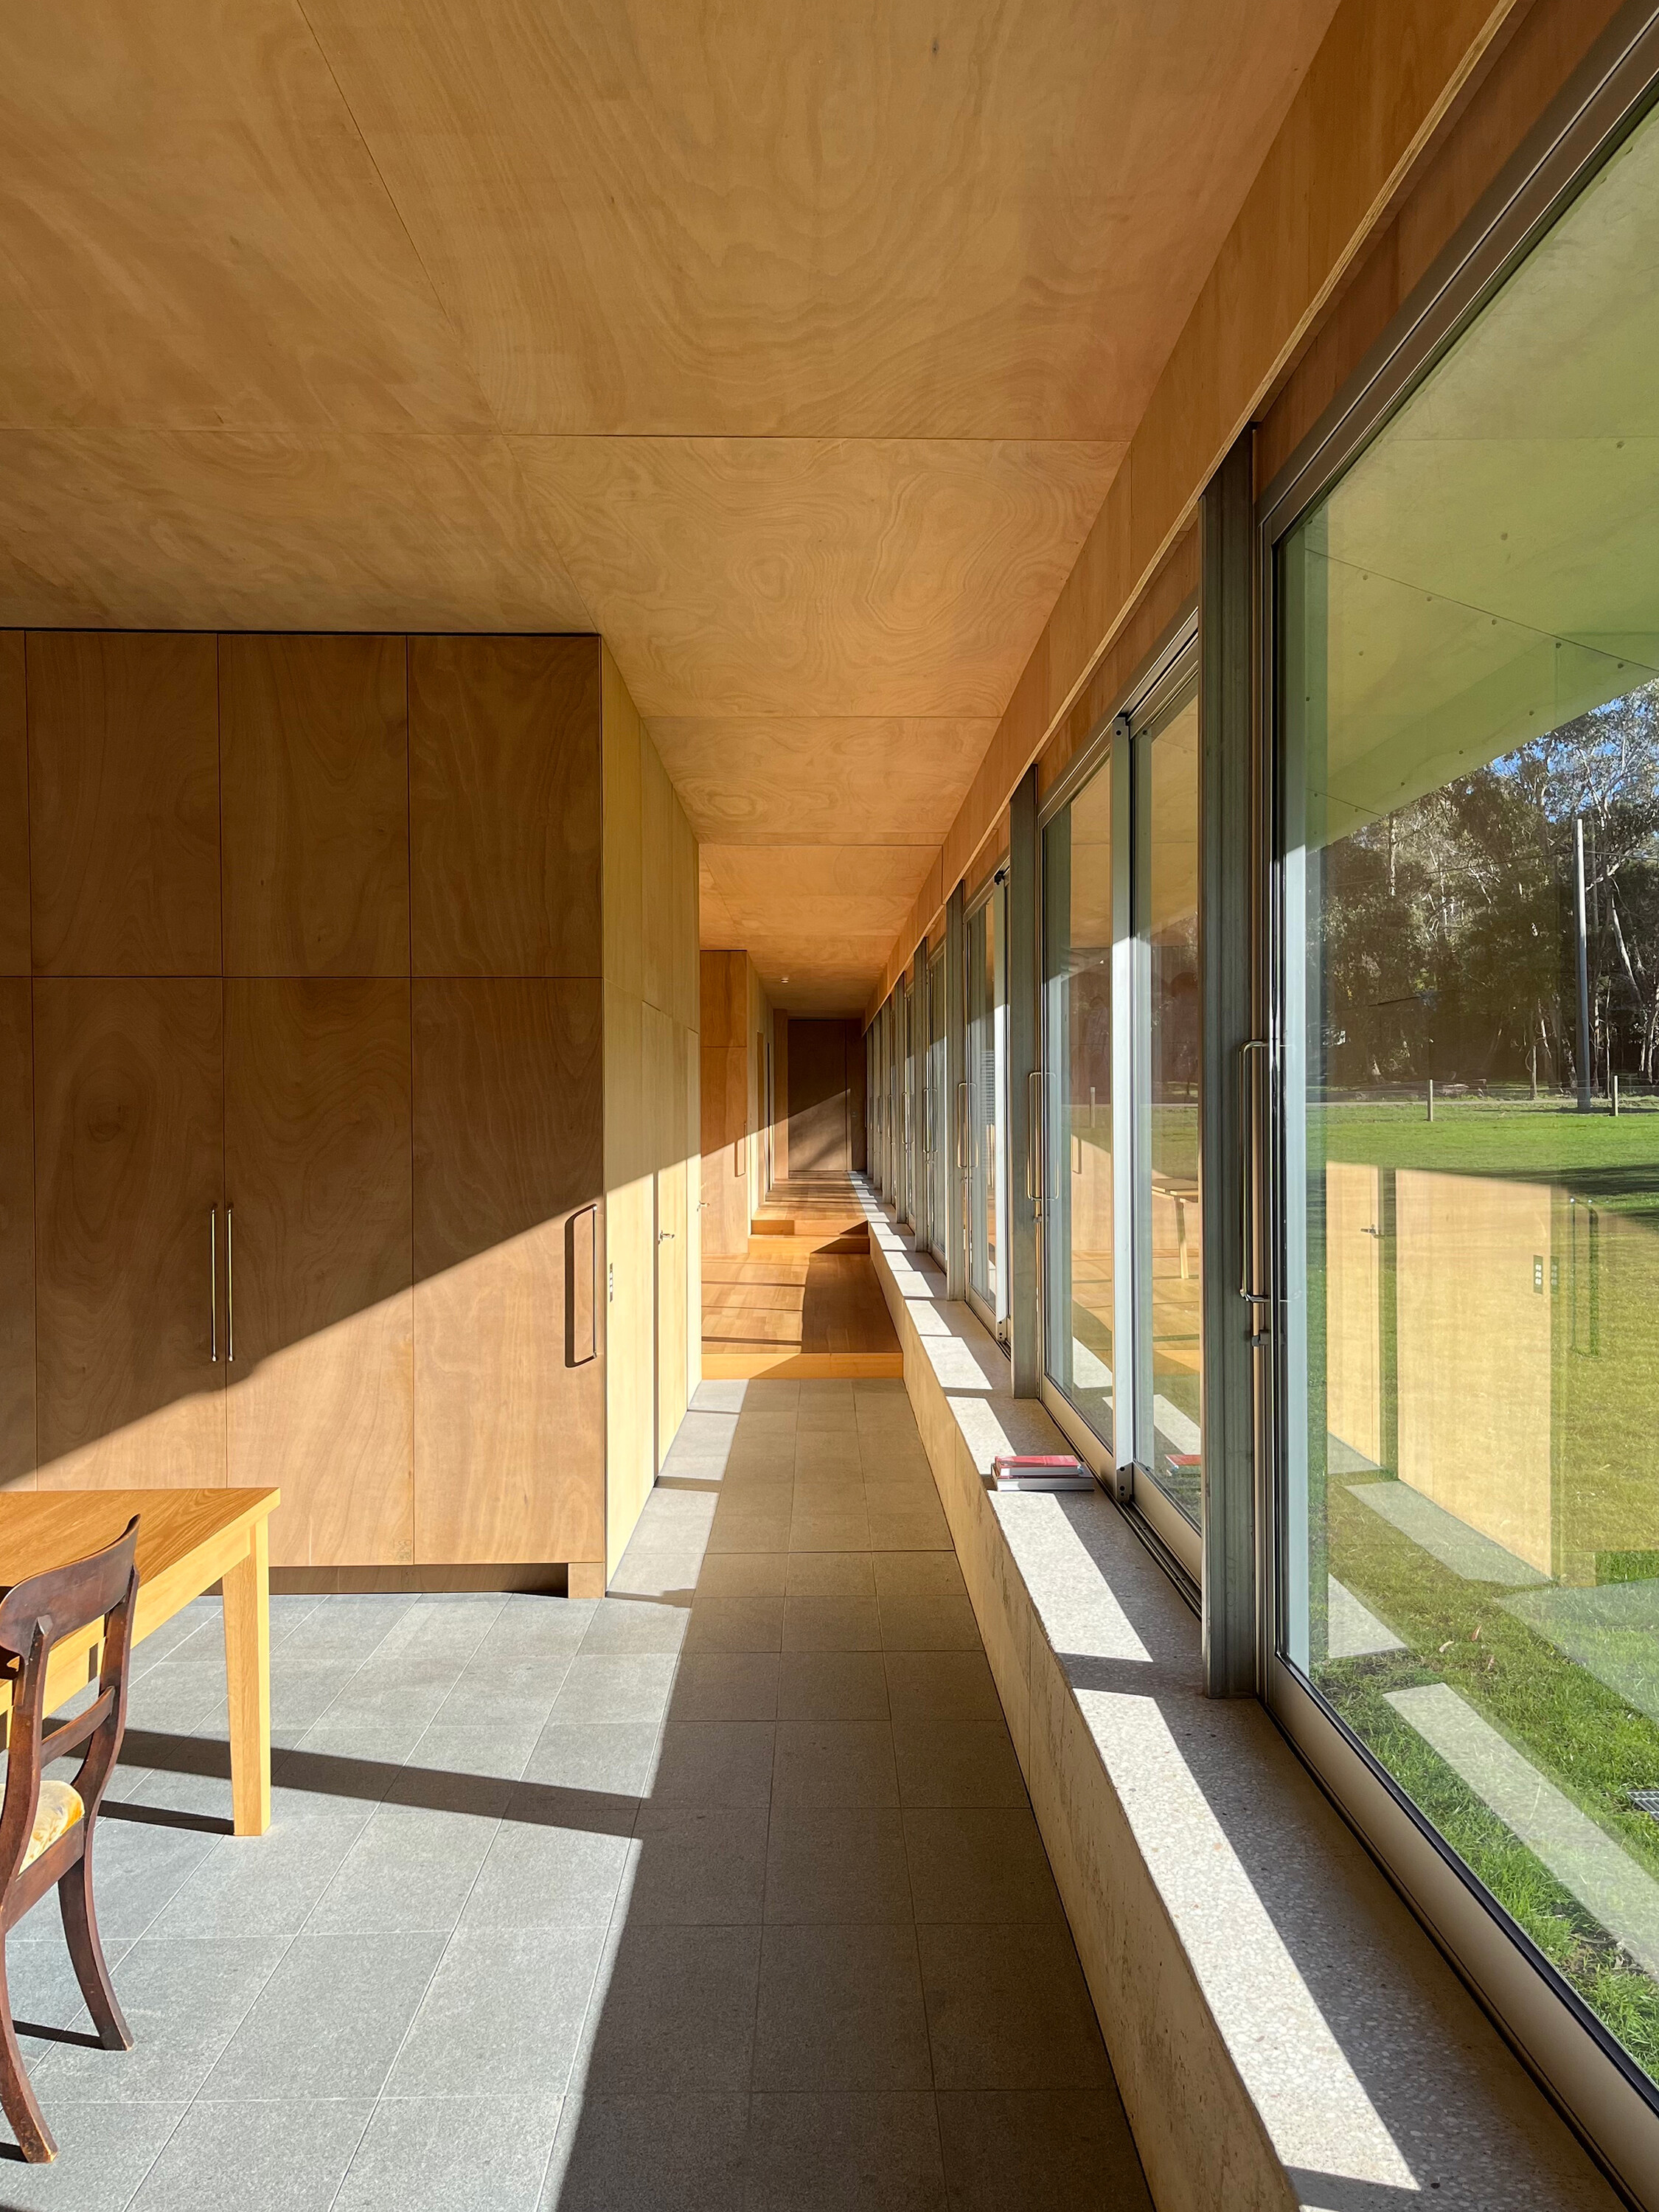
(666, 1048)
(14, 807)
(509, 1437)
(273, 530)
(624, 743)
(657, 877)
(314, 805)
(691, 1274)
(764, 537)
(505, 803)
(128, 1119)
(630, 1313)
(318, 1152)
(124, 803)
(245, 1603)
(886, 779)
(17, 1433)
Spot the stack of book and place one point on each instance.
(1038, 1471)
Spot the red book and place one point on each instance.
(1039, 1471)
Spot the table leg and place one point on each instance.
(246, 1588)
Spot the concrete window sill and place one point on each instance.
(1282, 2030)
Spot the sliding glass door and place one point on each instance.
(1122, 1247)
(931, 1231)
(988, 1064)
(1468, 752)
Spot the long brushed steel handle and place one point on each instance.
(230, 1288)
(213, 1283)
(1246, 1289)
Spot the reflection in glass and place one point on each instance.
(938, 1117)
(1471, 809)
(1169, 1447)
(985, 1049)
(1077, 1146)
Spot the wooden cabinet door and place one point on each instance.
(509, 1375)
(665, 1086)
(128, 1161)
(315, 766)
(505, 784)
(123, 802)
(317, 1175)
(17, 1238)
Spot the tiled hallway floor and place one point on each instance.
(723, 1891)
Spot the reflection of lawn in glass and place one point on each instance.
(1576, 1729)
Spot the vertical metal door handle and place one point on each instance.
(213, 1283)
(964, 1155)
(1246, 1154)
(230, 1288)
(1033, 1107)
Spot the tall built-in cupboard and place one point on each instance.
(344, 982)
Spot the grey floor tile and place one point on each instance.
(833, 1453)
(409, 1872)
(611, 1759)
(834, 1763)
(871, 2152)
(918, 1574)
(535, 1627)
(562, 1868)
(827, 1417)
(715, 1763)
(720, 1396)
(832, 1686)
(831, 1624)
(329, 2020)
(743, 1574)
(831, 1574)
(698, 1865)
(631, 1686)
(502, 2016)
(836, 1862)
(183, 2002)
(979, 1862)
(464, 2153)
(907, 1527)
(726, 1686)
(674, 2011)
(1008, 2009)
(841, 2008)
(137, 1870)
(41, 1981)
(649, 2154)
(735, 1624)
(510, 1690)
(913, 1621)
(261, 1885)
(957, 1763)
(629, 1624)
(104, 2152)
(946, 1685)
(828, 1528)
(1039, 2150)
(751, 1530)
(225, 2158)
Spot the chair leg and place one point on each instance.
(34, 2137)
(86, 1956)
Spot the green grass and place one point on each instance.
(1611, 1158)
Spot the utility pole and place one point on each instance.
(1583, 964)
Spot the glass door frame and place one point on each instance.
(1557, 2038)
(1120, 747)
(991, 900)
(931, 1231)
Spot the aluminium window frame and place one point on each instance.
(991, 900)
(1601, 2091)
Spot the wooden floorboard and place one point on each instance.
(806, 1289)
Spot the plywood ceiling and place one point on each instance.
(792, 348)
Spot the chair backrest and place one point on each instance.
(34, 1615)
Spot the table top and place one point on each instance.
(43, 1528)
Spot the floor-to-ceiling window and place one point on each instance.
(938, 1150)
(986, 1060)
(1469, 1525)
(1122, 1242)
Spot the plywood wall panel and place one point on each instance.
(318, 1169)
(17, 1433)
(658, 880)
(666, 1053)
(130, 1159)
(14, 807)
(505, 805)
(314, 763)
(624, 831)
(631, 1231)
(123, 802)
(507, 1148)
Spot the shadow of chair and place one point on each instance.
(47, 1826)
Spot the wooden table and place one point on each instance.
(188, 1540)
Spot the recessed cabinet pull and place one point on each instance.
(230, 1288)
(213, 1283)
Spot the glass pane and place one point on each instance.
(937, 1118)
(1471, 800)
(1168, 1182)
(983, 1102)
(1077, 1016)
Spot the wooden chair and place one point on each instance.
(45, 1826)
